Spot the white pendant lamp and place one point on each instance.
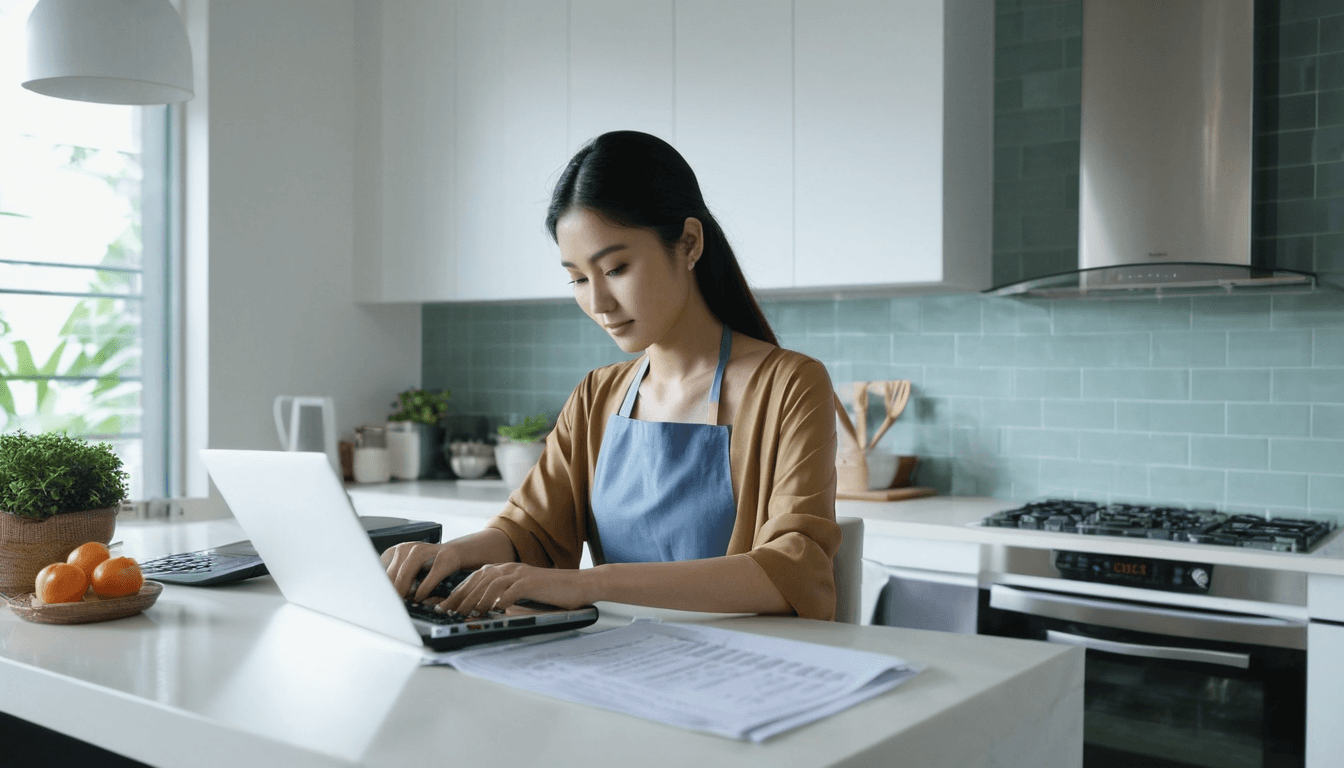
(109, 51)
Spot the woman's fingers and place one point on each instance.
(405, 563)
(482, 590)
(445, 563)
(399, 566)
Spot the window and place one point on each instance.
(83, 238)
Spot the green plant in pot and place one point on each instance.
(56, 492)
(415, 430)
(518, 447)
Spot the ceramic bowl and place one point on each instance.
(470, 467)
(881, 469)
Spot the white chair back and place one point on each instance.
(849, 571)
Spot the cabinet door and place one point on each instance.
(410, 254)
(734, 125)
(621, 72)
(1325, 698)
(868, 142)
(510, 146)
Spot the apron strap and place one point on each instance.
(628, 405)
(725, 349)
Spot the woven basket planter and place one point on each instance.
(27, 546)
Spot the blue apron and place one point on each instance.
(663, 491)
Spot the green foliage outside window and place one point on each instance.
(97, 341)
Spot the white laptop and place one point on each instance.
(300, 520)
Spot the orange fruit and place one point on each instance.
(117, 577)
(86, 557)
(61, 583)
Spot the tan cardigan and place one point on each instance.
(782, 453)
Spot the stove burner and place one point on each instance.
(1198, 526)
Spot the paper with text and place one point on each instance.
(735, 684)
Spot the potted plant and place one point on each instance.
(518, 447)
(56, 492)
(413, 433)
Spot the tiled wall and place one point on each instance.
(1037, 96)
(1236, 402)
(1299, 176)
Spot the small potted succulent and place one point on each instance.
(518, 446)
(414, 429)
(56, 492)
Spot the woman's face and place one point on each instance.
(623, 277)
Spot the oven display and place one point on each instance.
(1169, 575)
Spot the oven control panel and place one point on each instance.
(1147, 573)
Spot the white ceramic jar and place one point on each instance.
(371, 464)
(403, 450)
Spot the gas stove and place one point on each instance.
(1197, 526)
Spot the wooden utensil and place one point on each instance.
(895, 394)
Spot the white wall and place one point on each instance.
(272, 201)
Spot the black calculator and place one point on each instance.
(239, 560)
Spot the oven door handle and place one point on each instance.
(1239, 660)
(1197, 625)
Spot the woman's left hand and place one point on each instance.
(498, 586)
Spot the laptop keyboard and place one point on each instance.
(443, 589)
(427, 613)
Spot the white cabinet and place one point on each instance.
(510, 114)
(620, 68)
(734, 125)
(1325, 695)
(404, 225)
(843, 145)
(893, 116)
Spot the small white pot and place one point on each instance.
(403, 450)
(515, 459)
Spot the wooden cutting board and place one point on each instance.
(887, 494)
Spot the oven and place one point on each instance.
(1170, 686)
(1189, 663)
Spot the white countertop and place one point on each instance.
(941, 518)
(228, 675)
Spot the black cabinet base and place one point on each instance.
(32, 746)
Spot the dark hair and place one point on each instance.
(637, 180)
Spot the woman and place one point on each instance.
(679, 510)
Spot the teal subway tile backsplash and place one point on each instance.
(1268, 419)
(1199, 418)
(1134, 448)
(1206, 349)
(1229, 452)
(1251, 384)
(1327, 493)
(1309, 385)
(1136, 383)
(1267, 489)
(1325, 457)
(1328, 347)
(1269, 349)
(1327, 421)
(1014, 404)
(1195, 486)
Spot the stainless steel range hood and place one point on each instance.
(1165, 169)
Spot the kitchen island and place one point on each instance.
(229, 675)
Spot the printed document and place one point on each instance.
(734, 684)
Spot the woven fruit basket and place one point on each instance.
(27, 546)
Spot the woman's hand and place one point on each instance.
(407, 560)
(500, 586)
